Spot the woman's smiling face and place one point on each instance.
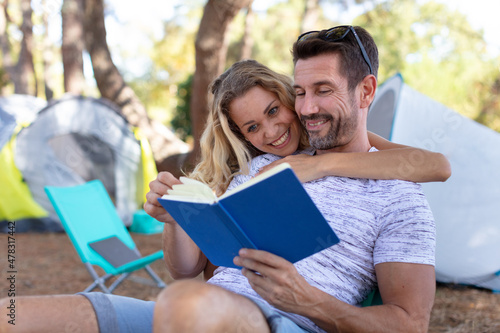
(263, 120)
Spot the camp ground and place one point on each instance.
(64, 143)
(467, 206)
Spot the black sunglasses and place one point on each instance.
(336, 34)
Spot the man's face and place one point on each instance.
(326, 108)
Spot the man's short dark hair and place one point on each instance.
(353, 65)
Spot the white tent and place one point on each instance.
(467, 206)
(77, 139)
(7, 125)
(22, 107)
(17, 109)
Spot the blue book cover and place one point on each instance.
(272, 212)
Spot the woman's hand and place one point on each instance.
(306, 167)
(157, 188)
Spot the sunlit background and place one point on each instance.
(446, 49)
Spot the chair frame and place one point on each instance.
(88, 215)
(100, 281)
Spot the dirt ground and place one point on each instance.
(48, 264)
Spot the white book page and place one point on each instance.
(195, 191)
(190, 191)
(257, 179)
(183, 198)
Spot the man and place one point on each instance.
(386, 228)
(386, 231)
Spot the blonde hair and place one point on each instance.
(224, 150)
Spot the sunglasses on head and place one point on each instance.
(337, 34)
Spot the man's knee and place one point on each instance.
(194, 296)
(194, 306)
(180, 307)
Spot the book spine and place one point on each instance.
(233, 227)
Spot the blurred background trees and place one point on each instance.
(435, 49)
(438, 53)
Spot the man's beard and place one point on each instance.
(339, 134)
(328, 141)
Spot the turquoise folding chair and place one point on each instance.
(92, 224)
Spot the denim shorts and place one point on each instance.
(122, 314)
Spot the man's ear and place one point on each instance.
(367, 91)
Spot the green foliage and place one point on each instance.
(274, 32)
(172, 61)
(435, 49)
(488, 97)
(235, 38)
(3, 78)
(181, 120)
(278, 29)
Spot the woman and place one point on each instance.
(238, 129)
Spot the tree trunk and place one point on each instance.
(7, 62)
(311, 16)
(73, 46)
(113, 87)
(24, 72)
(47, 54)
(489, 111)
(211, 50)
(4, 37)
(247, 40)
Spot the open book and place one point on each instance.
(271, 212)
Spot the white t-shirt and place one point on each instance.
(376, 220)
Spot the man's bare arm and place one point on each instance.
(407, 291)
